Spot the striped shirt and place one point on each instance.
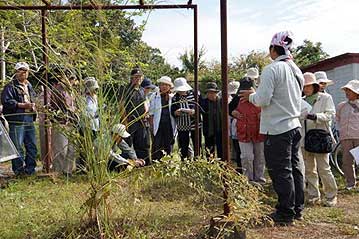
(185, 122)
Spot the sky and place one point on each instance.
(251, 25)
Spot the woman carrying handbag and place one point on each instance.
(319, 118)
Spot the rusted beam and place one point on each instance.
(225, 110)
(196, 88)
(98, 7)
(46, 63)
(47, 3)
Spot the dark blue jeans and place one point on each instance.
(286, 171)
(23, 135)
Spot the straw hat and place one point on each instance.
(352, 85)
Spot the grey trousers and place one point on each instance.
(348, 161)
(63, 152)
(252, 158)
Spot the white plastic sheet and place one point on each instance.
(7, 148)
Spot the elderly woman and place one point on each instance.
(162, 123)
(348, 121)
(323, 80)
(91, 87)
(62, 104)
(319, 117)
(183, 110)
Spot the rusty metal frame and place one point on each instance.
(47, 7)
(224, 61)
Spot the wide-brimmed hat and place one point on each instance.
(233, 87)
(165, 80)
(147, 83)
(120, 129)
(310, 79)
(321, 77)
(180, 84)
(212, 86)
(136, 71)
(22, 65)
(352, 85)
(252, 73)
(246, 83)
(91, 84)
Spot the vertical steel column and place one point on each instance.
(196, 88)
(46, 63)
(224, 74)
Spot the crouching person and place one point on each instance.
(121, 154)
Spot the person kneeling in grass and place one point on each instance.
(121, 154)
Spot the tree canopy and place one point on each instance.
(309, 53)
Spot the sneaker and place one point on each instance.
(298, 217)
(281, 220)
(314, 201)
(330, 202)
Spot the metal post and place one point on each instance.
(3, 54)
(46, 63)
(224, 74)
(195, 56)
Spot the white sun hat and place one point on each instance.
(91, 84)
(321, 77)
(233, 87)
(166, 80)
(309, 79)
(352, 85)
(22, 65)
(120, 129)
(180, 84)
(252, 73)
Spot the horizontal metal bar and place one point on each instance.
(99, 7)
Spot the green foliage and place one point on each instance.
(187, 60)
(309, 53)
(211, 71)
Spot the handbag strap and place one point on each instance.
(330, 132)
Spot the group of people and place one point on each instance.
(268, 125)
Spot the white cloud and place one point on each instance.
(251, 25)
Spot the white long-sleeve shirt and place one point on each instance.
(279, 95)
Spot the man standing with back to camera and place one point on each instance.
(279, 96)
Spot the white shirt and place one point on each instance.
(156, 111)
(279, 95)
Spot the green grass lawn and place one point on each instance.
(47, 207)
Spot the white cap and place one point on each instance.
(352, 85)
(180, 84)
(22, 65)
(166, 80)
(120, 129)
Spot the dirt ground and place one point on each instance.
(340, 222)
